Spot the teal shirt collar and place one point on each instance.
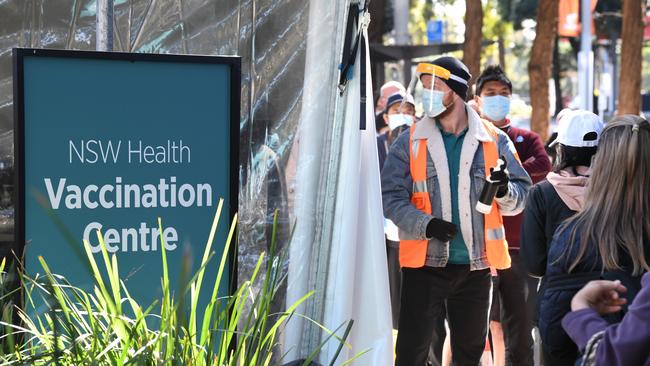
(446, 134)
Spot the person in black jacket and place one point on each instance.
(554, 200)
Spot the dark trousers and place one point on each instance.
(424, 292)
(438, 340)
(513, 290)
(395, 285)
(554, 360)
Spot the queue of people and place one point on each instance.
(476, 215)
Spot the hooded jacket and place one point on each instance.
(549, 203)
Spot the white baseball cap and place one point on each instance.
(577, 129)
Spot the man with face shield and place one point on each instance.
(431, 183)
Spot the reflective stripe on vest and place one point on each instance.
(412, 253)
(419, 187)
(495, 234)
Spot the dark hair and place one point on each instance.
(492, 73)
(571, 156)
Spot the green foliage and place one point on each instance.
(422, 11)
(516, 11)
(419, 14)
(494, 27)
(106, 326)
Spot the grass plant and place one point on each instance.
(106, 326)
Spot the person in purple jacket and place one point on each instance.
(625, 343)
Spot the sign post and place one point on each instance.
(113, 141)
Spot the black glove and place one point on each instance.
(500, 178)
(441, 230)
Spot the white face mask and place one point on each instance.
(400, 119)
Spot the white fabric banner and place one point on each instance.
(358, 278)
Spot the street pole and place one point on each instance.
(401, 12)
(586, 59)
(612, 66)
(402, 36)
(104, 25)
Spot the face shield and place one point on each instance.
(432, 99)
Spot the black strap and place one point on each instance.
(354, 39)
(349, 53)
(362, 81)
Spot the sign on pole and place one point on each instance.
(113, 141)
(435, 31)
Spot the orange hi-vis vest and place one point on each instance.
(412, 253)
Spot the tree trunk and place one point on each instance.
(629, 99)
(473, 37)
(539, 65)
(502, 52)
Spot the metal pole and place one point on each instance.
(402, 36)
(585, 59)
(104, 26)
(401, 11)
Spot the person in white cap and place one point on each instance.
(559, 197)
(550, 150)
(385, 91)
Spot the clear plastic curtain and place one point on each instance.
(269, 35)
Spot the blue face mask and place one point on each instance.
(496, 108)
(432, 102)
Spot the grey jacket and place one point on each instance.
(397, 187)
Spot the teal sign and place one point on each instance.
(112, 142)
